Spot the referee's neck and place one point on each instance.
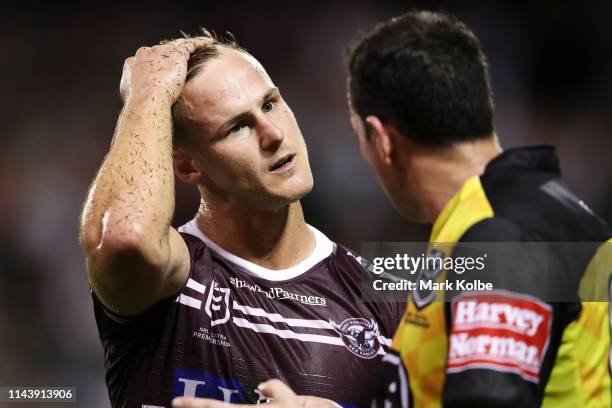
(439, 174)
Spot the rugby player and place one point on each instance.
(245, 291)
(421, 104)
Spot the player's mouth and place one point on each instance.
(283, 164)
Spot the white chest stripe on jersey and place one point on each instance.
(385, 341)
(191, 301)
(289, 334)
(197, 286)
(277, 318)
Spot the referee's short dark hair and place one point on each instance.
(423, 72)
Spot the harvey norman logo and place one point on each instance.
(502, 331)
(279, 293)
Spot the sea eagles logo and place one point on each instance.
(359, 336)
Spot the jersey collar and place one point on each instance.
(323, 249)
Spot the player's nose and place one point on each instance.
(271, 135)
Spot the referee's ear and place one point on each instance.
(184, 167)
(381, 139)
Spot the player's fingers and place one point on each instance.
(142, 50)
(199, 42)
(189, 45)
(276, 389)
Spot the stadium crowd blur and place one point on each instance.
(551, 65)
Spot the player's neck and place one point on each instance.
(276, 239)
(440, 176)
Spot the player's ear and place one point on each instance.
(380, 136)
(184, 166)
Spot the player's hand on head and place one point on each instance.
(280, 394)
(159, 71)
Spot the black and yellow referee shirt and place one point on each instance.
(507, 347)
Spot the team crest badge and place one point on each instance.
(359, 335)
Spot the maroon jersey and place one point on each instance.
(235, 324)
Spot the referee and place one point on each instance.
(421, 104)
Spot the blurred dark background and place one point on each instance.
(551, 65)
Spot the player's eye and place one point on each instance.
(236, 128)
(267, 106)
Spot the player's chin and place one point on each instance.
(295, 188)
